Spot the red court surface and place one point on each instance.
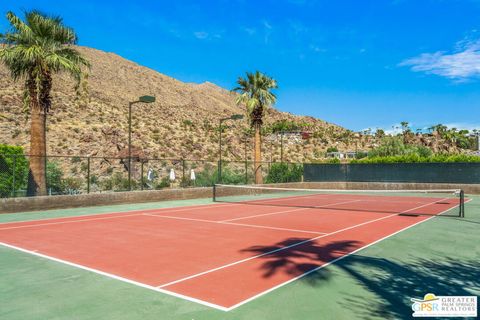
(221, 255)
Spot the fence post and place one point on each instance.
(88, 174)
(141, 175)
(288, 171)
(281, 146)
(246, 171)
(183, 170)
(14, 171)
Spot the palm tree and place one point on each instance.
(33, 50)
(380, 133)
(405, 130)
(255, 93)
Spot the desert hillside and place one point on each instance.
(183, 123)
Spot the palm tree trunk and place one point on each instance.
(258, 154)
(37, 184)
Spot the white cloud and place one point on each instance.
(396, 128)
(250, 31)
(266, 24)
(297, 27)
(201, 35)
(268, 30)
(463, 126)
(318, 49)
(298, 2)
(393, 129)
(461, 65)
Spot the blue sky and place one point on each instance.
(359, 64)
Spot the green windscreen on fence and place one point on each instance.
(468, 173)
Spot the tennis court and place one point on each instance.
(246, 244)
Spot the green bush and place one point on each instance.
(118, 182)
(415, 158)
(284, 172)
(76, 159)
(423, 151)
(394, 150)
(54, 178)
(13, 168)
(187, 123)
(333, 161)
(71, 185)
(332, 149)
(394, 146)
(285, 126)
(164, 183)
(209, 176)
(232, 176)
(361, 155)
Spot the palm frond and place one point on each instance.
(39, 46)
(255, 93)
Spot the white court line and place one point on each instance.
(131, 213)
(331, 262)
(72, 221)
(278, 212)
(265, 214)
(143, 285)
(232, 223)
(286, 247)
(212, 305)
(140, 212)
(117, 214)
(273, 228)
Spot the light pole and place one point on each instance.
(233, 117)
(143, 99)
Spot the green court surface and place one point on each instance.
(440, 256)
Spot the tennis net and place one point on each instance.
(448, 202)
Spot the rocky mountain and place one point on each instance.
(182, 123)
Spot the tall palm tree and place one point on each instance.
(255, 93)
(33, 50)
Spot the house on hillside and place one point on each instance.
(342, 155)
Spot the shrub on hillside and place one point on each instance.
(394, 146)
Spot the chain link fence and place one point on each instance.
(70, 175)
(453, 172)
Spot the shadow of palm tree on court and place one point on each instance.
(302, 258)
(392, 283)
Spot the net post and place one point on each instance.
(214, 192)
(462, 204)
